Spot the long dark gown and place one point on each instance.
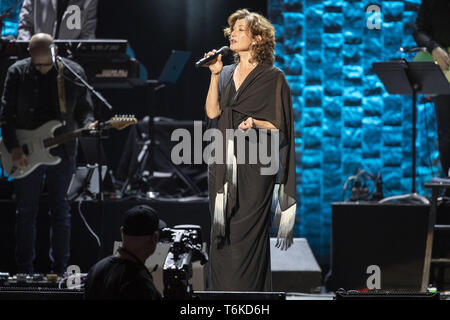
(242, 263)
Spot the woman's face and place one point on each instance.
(240, 37)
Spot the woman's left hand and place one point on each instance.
(247, 124)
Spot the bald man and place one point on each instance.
(30, 99)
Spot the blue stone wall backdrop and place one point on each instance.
(10, 23)
(344, 118)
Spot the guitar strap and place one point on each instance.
(61, 90)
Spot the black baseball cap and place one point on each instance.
(141, 220)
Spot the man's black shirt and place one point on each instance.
(117, 278)
(432, 27)
(47, 92)
(25, 94)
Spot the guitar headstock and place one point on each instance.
(120, 122)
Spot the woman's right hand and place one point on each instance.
(215, 65)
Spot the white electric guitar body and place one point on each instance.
(33, 144)
(37, 143)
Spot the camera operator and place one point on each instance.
(125, 276)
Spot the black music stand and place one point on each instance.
(84, 183)
(411, 78)
(169, 76)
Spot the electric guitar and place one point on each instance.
(37, 143)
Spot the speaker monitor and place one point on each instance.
(378, 246)
(295, 269)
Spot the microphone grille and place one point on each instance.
(224, 50)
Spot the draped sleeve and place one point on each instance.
(268, 97)
(286, 208)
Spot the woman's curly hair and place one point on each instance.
(264, 50)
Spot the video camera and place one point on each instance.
(186, 248)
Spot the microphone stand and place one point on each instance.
(98, 134)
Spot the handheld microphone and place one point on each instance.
(223, 51)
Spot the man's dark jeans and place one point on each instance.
(28, 193)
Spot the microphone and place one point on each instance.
(223, 51)
(53, 49)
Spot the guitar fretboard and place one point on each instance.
(53, 141)
(50, 142)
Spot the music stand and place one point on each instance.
(411, 78)
(169, 76)
(173, 67)
(84, 184)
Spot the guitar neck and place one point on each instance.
(51, 142)
(118, 123)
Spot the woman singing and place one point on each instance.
(250, 94)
